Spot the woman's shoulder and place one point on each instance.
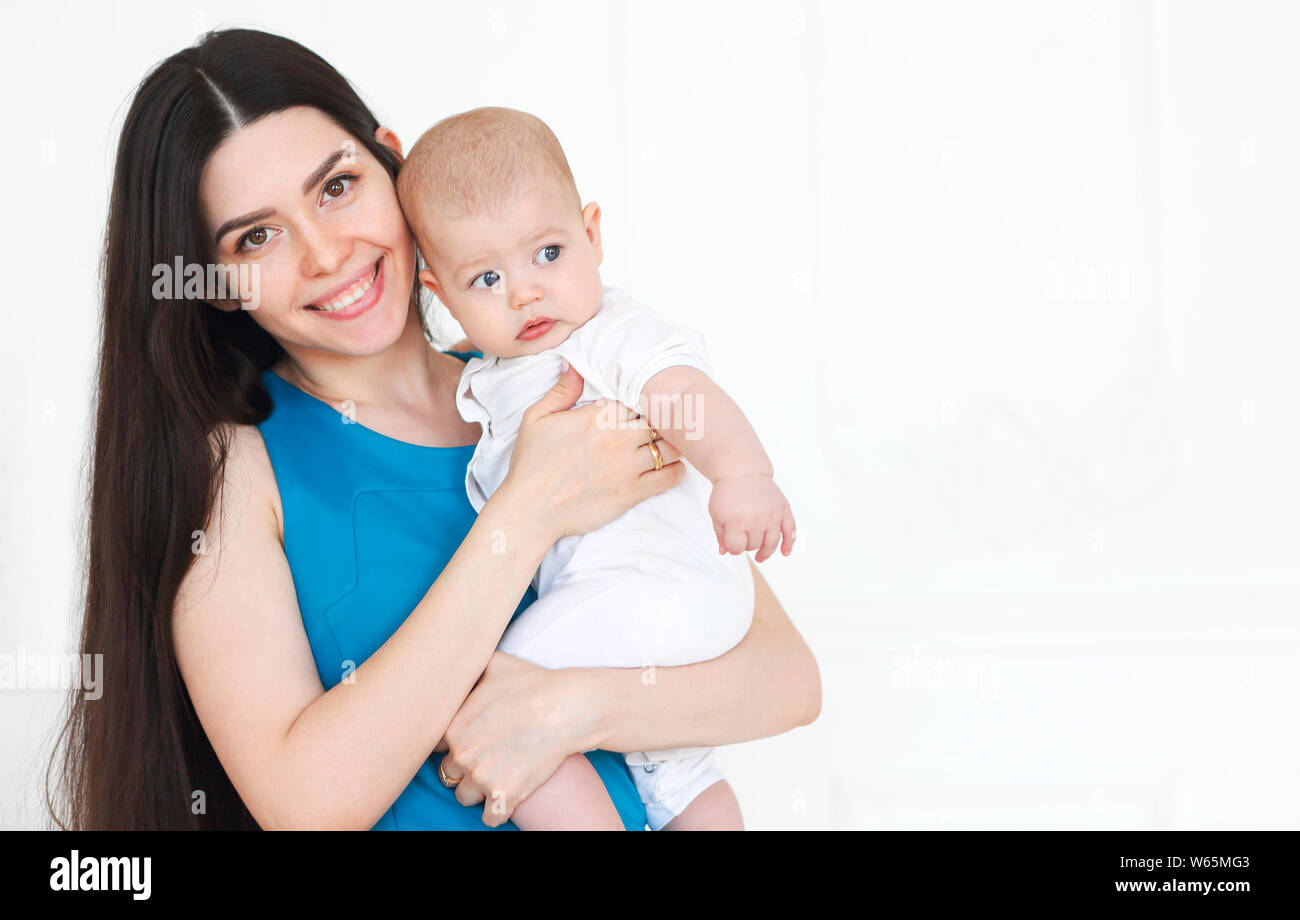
(453, 362)
(244, 518)
(248, 475)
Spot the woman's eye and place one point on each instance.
(253, 240)
(547, 254)
(339, 185)
(489, 278)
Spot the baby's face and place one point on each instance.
(537, 259)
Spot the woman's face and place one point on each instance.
(309, 206)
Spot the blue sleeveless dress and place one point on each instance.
(369, 523)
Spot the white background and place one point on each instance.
(1009, 290)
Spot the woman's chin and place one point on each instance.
(387, 325)
(382, 325)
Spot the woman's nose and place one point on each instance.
(324, 252)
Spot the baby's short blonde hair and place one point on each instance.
(474, 162)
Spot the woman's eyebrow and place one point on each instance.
(236, 222)
(322, 169)
(317, 175)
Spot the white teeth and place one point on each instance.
(350, 296)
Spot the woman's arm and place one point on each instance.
(300, 756)
(522, 720)
(303, 757)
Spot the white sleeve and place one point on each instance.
(471, 410)
(628, 343)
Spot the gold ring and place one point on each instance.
(659, 458)
(445, 779)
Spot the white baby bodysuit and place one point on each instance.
(649, 588)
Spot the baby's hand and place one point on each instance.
(751, 513)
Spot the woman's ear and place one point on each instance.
(389, 140)
(591, 220)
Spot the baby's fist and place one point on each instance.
(751, 513)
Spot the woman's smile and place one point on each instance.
(354, 297)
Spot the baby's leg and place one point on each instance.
(573, 799)
(714, 809)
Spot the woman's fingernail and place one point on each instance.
(564, 365)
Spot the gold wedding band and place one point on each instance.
(445, 779)
(654, 452)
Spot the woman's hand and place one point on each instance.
(511, 733)
(578, 470)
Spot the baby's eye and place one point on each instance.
(547, 254)
(489, 279)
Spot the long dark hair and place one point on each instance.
(172, 375)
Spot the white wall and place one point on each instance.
(1007, 288)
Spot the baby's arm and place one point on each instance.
(697, 417)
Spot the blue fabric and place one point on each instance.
(369, 523)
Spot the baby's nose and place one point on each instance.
(526, 296)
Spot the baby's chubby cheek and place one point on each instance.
(586, 299)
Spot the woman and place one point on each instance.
(295, 602)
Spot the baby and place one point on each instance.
(514, 256)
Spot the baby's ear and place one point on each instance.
(591, 221)
(430, 282)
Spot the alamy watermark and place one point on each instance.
(1078, 282)
(102, 873)
(52, 671)
(212, 281)
(663, 412)
(963, 671)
